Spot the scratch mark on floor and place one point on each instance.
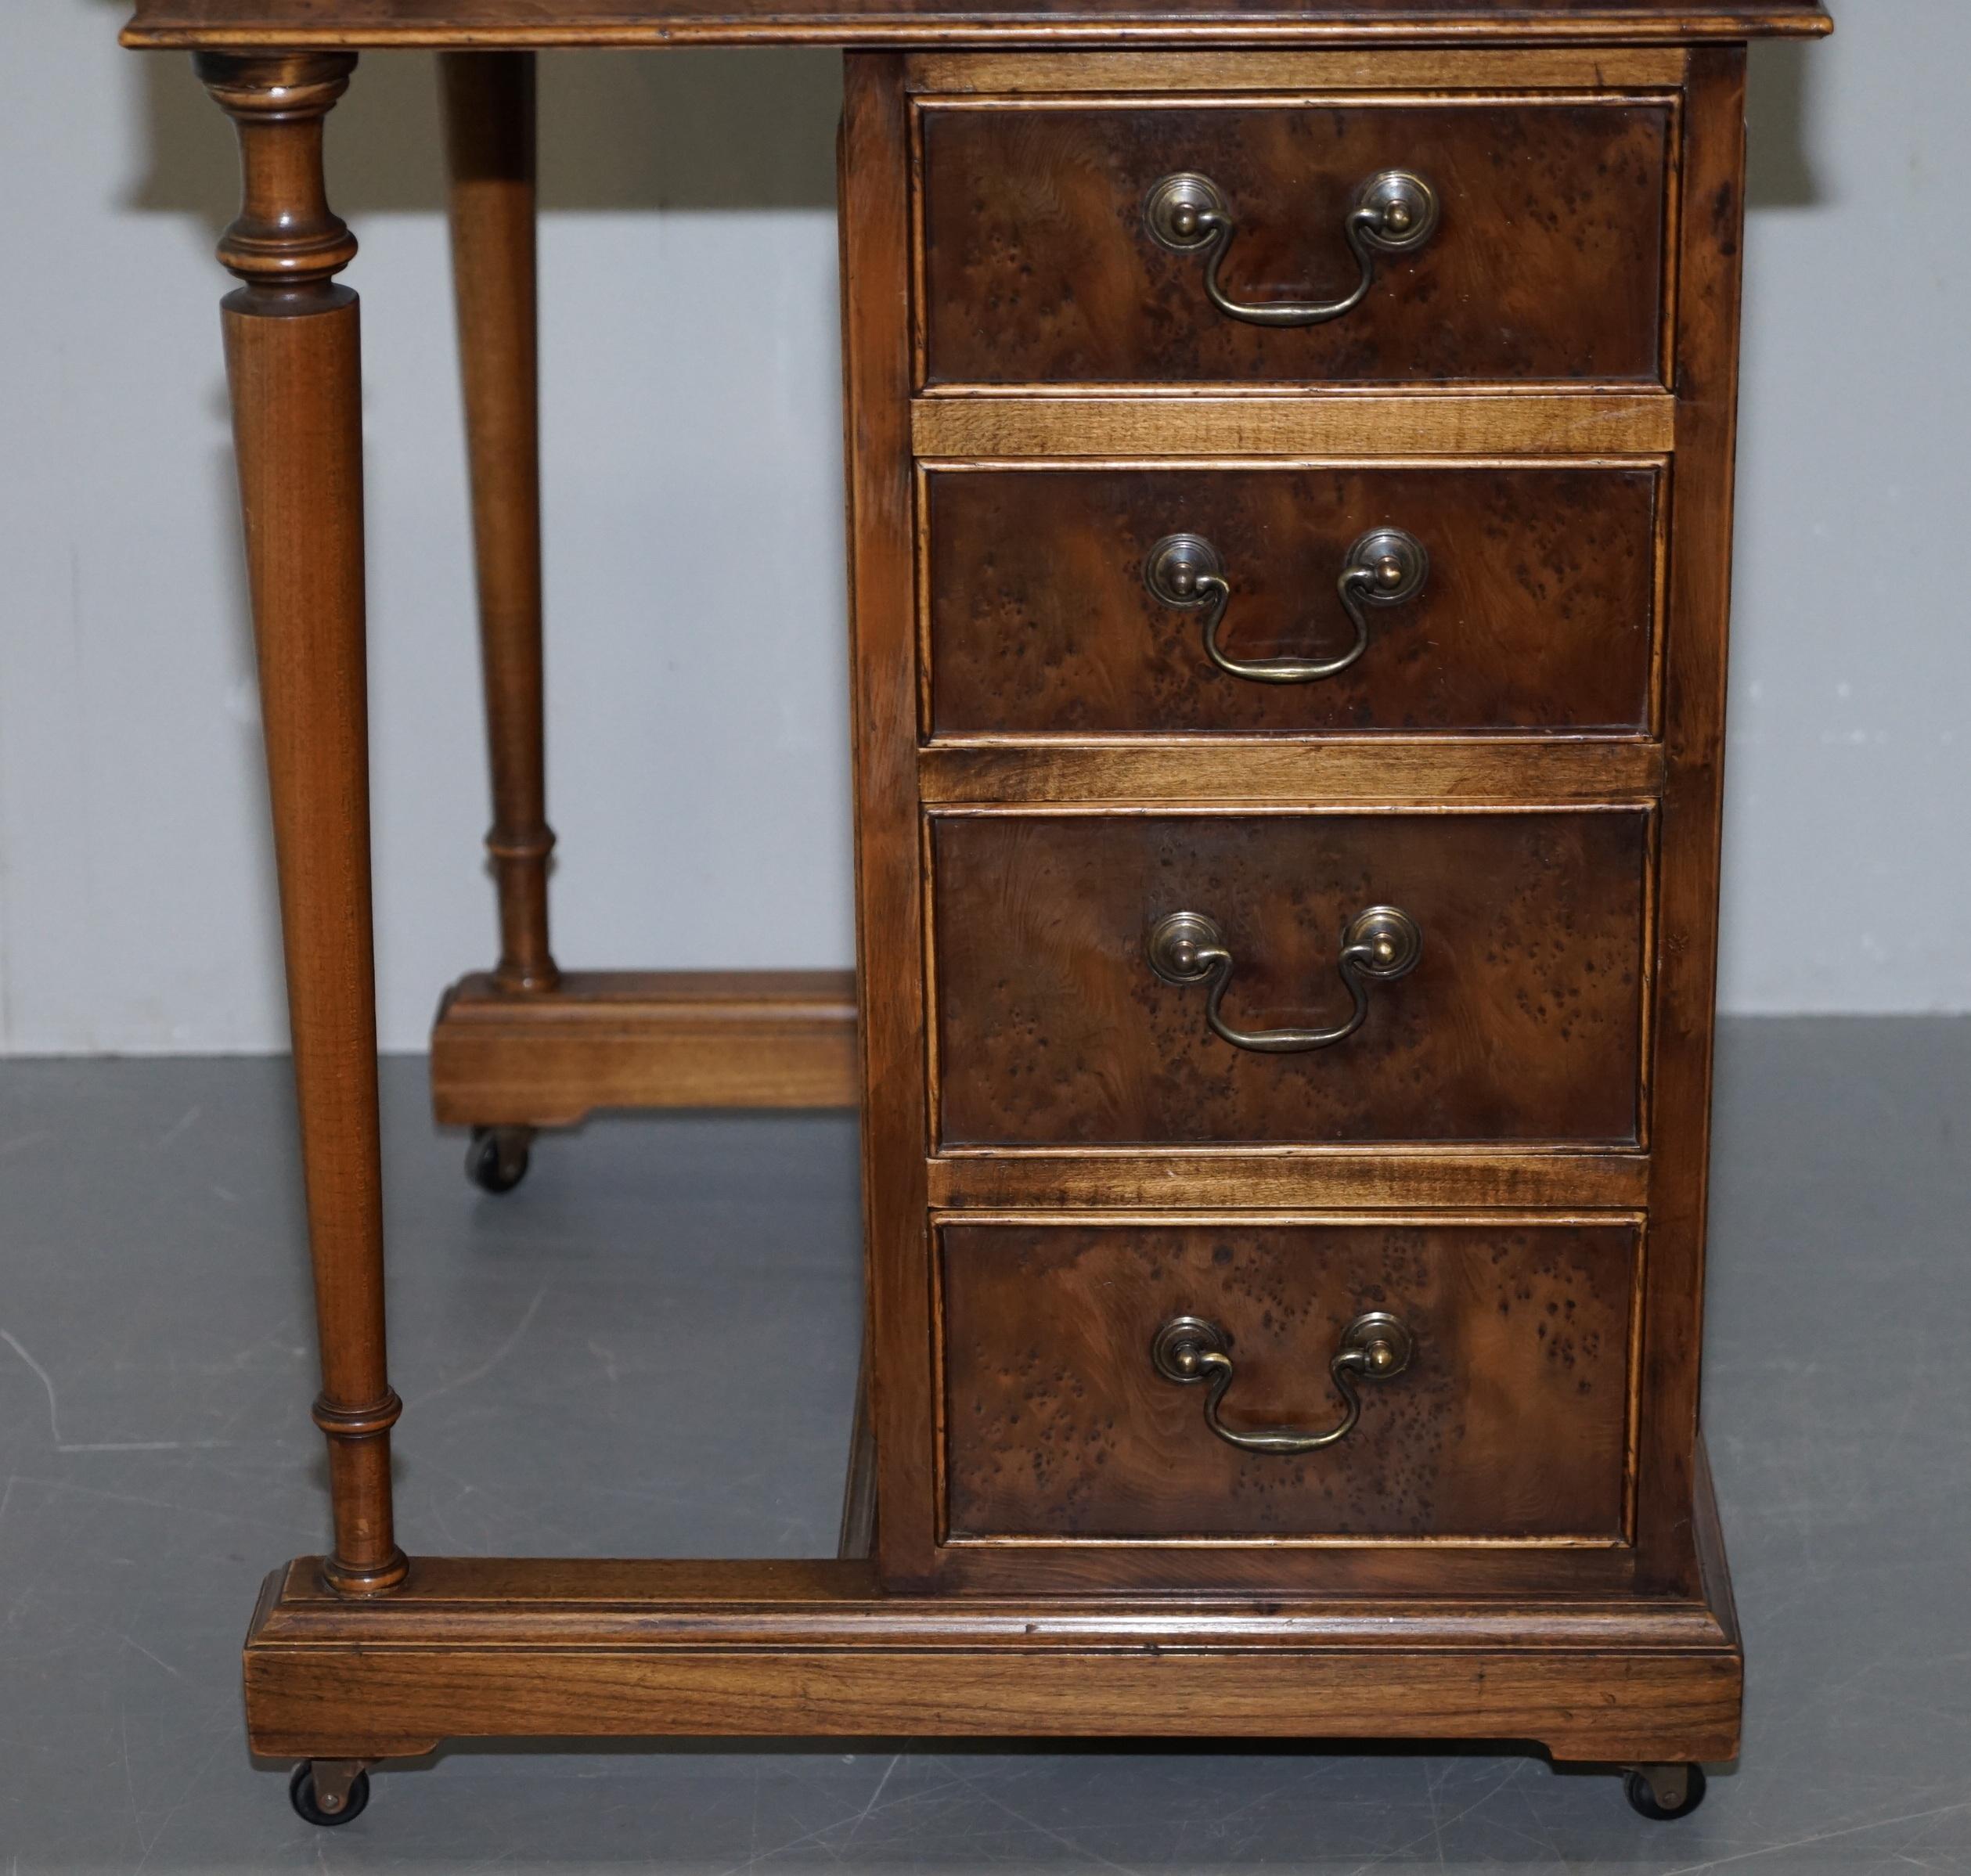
(978, 1787)
(862, 1816)
(1827, 1836)
(760, 1855)
(160, 1661)
(1439, 1821)
(138, 1445)
(97, 1445)
(129, 1785)
(186, 1120)
(188, 1790)
(492, 1361)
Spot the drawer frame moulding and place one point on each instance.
(1093, 95)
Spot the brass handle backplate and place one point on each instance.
(1379, 946)
(1394, 212)
(1187, 1349)
(1385, 567)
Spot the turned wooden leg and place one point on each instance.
(293, 358)
(489, 126)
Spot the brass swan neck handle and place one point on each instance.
(1392, 213)
(1378, 946)
(1188, 1349)
(1386, 567)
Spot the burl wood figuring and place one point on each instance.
(1061, 1426)
(1032, 275)
(1289, 477)
(1537, 608)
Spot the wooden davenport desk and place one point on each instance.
(1290, 457)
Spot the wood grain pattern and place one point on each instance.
(1147, 422)
(1510, 1421)
(1372, 69)
(857, 1539)
(189, 24)
(1521, 1023)
(652, 1039)
(1539, 611)
(1302, 1178)
(1482, 1154)
(1547, 265)
(1611, 1707)
(685, 1603)
(496, 1646)
(1327, 771)
(883, 665)
(489, 109)
(294, 365)
(1707, 348)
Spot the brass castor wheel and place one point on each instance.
(496, 1160)
(1665, 1793)
(337, 1801)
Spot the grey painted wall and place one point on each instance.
(699, 770)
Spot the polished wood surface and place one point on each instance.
(1040, 1535)
(684, 1603)
(857, 1539)
(1363, 67)
(1538, 612)
(1547, 265)
(489, 108)
(1331, 770)
(182, 23)
(1273, 1178)
(1522, 1022)
(874, 189)
(294, 368)
(474, 1646)
(1686, 991)
(1509, 1423)
(643, 1038)
(1305, 423)
(1610, 1706)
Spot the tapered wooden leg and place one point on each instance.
(489, 127)
(293, 358)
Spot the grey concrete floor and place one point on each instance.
(156, 1368)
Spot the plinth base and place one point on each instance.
(492, 1648)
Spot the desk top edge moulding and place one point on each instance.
(244, 24)
(1289, 460)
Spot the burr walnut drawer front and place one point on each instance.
(1145, 978)
(1220, 1380)
(1065, 600)
(1289, 241)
